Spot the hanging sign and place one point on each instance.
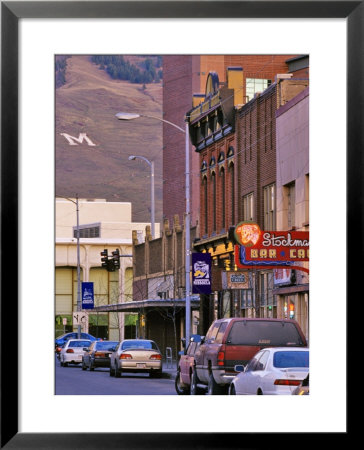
(270, 249)
(201, 273)
(235, 280)
(87, 295)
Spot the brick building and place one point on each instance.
(184, 79)
(238, 182)
(159, 286)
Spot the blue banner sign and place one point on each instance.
(87, 295)
(201, 273)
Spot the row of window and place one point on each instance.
(218, 192)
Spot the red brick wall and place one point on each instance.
(213, 151)
(177, 100)
(257, 151)
(185, 75)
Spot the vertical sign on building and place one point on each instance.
(87, 295)
(201, 273)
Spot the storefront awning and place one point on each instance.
(137, 306)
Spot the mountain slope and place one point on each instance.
(97, 166)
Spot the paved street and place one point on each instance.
(72, 380)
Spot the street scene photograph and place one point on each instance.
(181, 224)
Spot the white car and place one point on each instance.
(73, 350)
(272, 371)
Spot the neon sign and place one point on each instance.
(270, 249)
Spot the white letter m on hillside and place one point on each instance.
(82, 137)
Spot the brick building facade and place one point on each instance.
(238, 182)
(183, 77)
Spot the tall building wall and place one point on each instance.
(185, 75)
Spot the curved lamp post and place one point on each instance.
(152, 211)
(78, 260)
(131, 116)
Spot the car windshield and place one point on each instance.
(105, 345)
(148, 345)
(268, 333)
(290, 359)
(79, 344)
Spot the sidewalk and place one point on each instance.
(169, 369)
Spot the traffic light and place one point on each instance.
(110, 263)
(104, 259)
(116, 259)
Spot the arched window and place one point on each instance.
(213, 183)
(205, 205)
(222, 197)
(232, 193)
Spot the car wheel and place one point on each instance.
(194, 390)
(181, 390)
(65, 364)
(213, 388)
(155, 374)
(83, 365)
(232, 390)
(117, 372)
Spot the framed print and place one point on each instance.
(31, 34)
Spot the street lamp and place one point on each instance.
(131, 116)
(152, 212)
(78, 260)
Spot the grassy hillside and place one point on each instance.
(87, 103)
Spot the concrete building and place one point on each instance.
(102, 225)
(292, 183)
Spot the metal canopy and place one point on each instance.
(148, 304)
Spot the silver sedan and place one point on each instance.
(136, 355)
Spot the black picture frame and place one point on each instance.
(11, 12)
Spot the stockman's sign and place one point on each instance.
(201, 273)
(270, 249)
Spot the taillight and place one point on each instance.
(220, 358)
(287, 382)
(69, 350)
(99, 355)
(156, 356)
(125, 356)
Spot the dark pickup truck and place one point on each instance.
(233, 341)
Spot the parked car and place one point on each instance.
(72, 351)
(98, 354)
(61, 340)
(136, 355)
(233, 341)
(272, 371)
(186, 365)
(303, 388)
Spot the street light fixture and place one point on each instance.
(152, 212)
(78, 260)
(131, 116)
